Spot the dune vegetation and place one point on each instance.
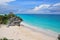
(4, 18)
(3, 39)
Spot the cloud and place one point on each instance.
(5, 8)
(55, 8)
(46, 9)
(57, 4)
(41, 9)
(5, 2)
(43, 6)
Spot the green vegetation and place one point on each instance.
(3, 39)
(4, 18)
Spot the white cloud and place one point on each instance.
(39, 9)
(55, 8)
(43, 6)
(46, 8)
(57, 4)
(5, 2)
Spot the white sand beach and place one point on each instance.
(25, 33)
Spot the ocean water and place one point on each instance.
(47, 21)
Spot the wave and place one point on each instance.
(41, 30)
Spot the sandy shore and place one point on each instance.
(23, 33)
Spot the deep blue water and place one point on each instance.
(47, 21)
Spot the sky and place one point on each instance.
(30, 6)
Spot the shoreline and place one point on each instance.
(41, 30)
(26, 32)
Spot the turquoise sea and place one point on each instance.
(47, 21)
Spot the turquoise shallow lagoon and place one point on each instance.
(47, 21)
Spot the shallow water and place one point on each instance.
(47, 21)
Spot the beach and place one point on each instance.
(25, 33)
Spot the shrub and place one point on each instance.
(5, 39)
(5, 18)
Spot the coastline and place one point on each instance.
(42, 30)
(26, 32)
